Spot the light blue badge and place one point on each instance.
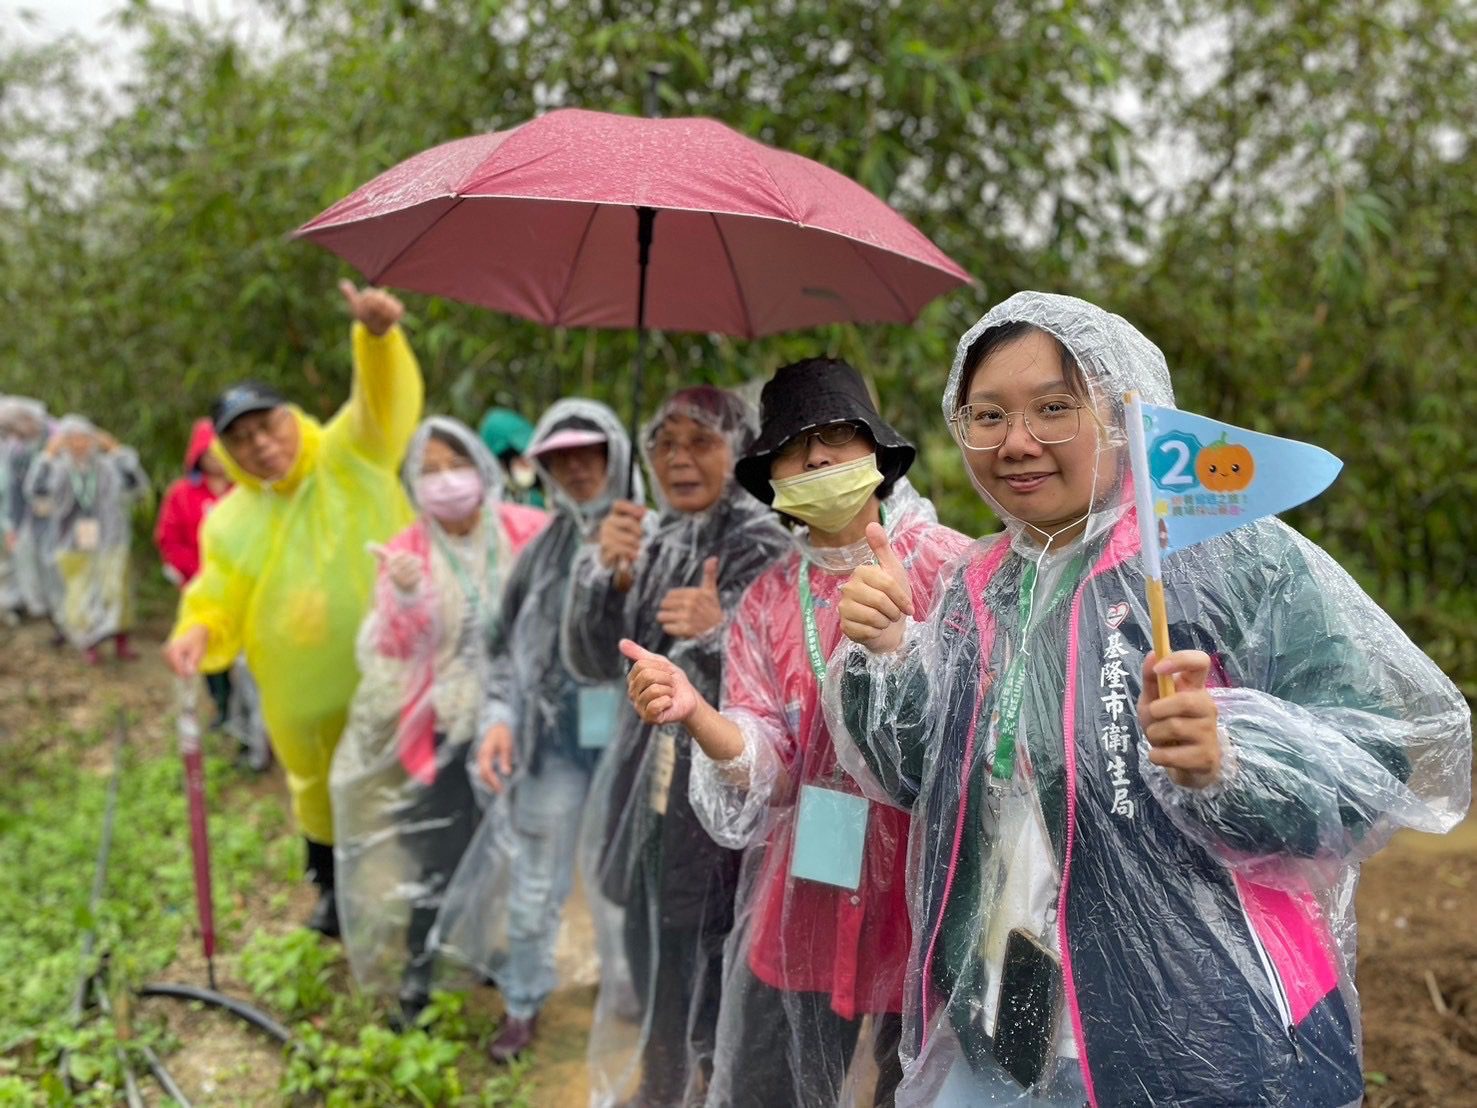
(599, 707)
(829, 834)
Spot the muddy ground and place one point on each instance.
(1417, 912)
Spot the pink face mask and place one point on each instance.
(450, 495)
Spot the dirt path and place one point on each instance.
(1417, 911)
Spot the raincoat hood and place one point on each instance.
(724, 412)
(487, 466)
(576, 411)
(202, 434)
(17, 411)
(1114, 358)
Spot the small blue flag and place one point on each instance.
(1197, 478)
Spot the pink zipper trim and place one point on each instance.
(975, 577)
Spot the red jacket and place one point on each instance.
(177, 532)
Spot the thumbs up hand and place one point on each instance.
(688, 613)
(659, 691)
(876, 600)
(376, 309)
(403, 567)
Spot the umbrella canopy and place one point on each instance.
(541, 221)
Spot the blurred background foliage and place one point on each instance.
(1281, 193)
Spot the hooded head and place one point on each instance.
(691, 443)
(22, 419)
(77, 436)
(448, 473)
(1035, 402)
(584, 429)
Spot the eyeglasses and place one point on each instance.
(250, 427)
(664, 448)
(1050, 420)
(836, 434)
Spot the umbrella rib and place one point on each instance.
(374, 278)
(882, 280)
(738, 285)
(573, 266)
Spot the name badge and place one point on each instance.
(86, 534)
(599, 708)
(830, 832)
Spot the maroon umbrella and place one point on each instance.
(589, 219)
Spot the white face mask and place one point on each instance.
(828, 498)
(521, 474)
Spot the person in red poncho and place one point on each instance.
(177, 531)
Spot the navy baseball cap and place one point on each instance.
(243, 399)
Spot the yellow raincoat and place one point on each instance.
(285, 576)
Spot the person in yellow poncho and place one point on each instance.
(285, 574)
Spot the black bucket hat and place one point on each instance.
(813, 393)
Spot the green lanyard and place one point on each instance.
(1013, 688)
(469, 588)
(807, 613)
(84, 488)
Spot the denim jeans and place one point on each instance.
(545, 815)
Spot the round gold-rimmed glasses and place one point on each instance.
(1050, 420)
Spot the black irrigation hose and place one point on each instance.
(156, 1067)
(258, 1019)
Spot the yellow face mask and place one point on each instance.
(828, 498)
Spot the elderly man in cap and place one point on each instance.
(285, 574)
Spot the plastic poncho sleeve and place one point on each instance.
(731, 798)
(594, 620)
(385, 399)
(500, 696)
(216, 599)
(1336, 729)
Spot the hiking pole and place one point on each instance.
(95, 899)
(188, 726)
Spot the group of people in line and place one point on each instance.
(864, 811)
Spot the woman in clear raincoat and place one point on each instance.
(82, 490)
(669, 579)
(22, 436)
(813, 972)
(1120, 898)
(533, 763)
(402, 807)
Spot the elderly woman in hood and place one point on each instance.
(403, 809)
(1121, 897)
(23, 425)
(541, 736)
(82, 490)
(660, 885)
(822, 935)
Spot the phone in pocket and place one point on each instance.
(1030, 1007)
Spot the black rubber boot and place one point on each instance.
(415, 985)
(324, 917)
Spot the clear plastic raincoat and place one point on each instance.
(84, 507)
(23, 428)
(502, 912)
(659, 885)
(814, 952)
(286, 577)
(1205, 939)
(403, 811)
